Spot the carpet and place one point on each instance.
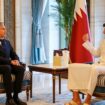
(41, 99)
(46, 99)
(42, 92)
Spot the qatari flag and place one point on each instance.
(78, 53)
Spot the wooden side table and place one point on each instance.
(54, 71)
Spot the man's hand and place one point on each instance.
(15, 62)
(85, 37)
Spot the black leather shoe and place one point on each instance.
(19, 102)
(10, 102)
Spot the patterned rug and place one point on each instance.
(41, 99)
(42, 92)
(46, 99)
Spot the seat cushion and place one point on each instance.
(99, 89)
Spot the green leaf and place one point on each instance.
(65, 9)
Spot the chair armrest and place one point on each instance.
(23, 64)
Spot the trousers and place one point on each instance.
(83, 77)
(6, 71)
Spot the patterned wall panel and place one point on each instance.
(9, 20)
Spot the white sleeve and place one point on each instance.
(89, 46)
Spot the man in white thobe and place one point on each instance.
(83, 77)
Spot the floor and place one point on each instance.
(43, 82)
(42, 92)
(42, 87)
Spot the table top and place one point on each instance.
(50, 66)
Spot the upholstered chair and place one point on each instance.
(25, 83)
(100, 88)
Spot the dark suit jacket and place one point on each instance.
(6, 52)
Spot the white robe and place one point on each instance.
(83, 77)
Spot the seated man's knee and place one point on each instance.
(6, 68)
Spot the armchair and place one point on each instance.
(25, 83)
(100, 88)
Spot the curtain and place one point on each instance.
(37, 50)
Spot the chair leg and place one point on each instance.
(82, 96)
(27, 92)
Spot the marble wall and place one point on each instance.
(53, 31)
(23, 21)
(23, 24)
(45, 30)
(97, 18)
(9, 20)
(26, 30)
(18, 27)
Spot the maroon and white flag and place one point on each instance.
(78, 53)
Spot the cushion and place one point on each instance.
(99, 90)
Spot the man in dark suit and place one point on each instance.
(9, 63)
